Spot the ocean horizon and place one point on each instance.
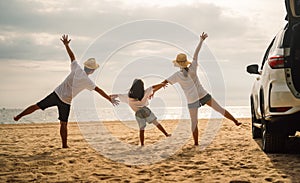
(116, 114)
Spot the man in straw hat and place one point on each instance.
(62, 96)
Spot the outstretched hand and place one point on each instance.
(164, 85)
(203, 36)
(113, 100)
(65, 39)
(161, 85)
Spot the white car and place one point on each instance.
(275, 96)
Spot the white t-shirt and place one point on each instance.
(134, 103)
(75, 82)
(191, 85)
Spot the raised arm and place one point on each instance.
(66, 42)
(203, 36)
(109, 98)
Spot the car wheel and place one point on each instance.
(272, 142)
(256, 132)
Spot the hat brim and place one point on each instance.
(89, 67)
(181, 64)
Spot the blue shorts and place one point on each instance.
(143, 116)
(53, 100)
(200, 102)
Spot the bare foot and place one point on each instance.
(168, 135)
(238, 123)
(16, 118)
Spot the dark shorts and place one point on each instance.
(200, 102)
(53, 100)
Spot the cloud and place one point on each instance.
(30, 30)
(37, 25)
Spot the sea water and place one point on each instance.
(116, 114)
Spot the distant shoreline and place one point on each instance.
(118, 114)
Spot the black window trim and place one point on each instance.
(267, 53)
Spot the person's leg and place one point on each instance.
(214, 104)
(142, 132)
(48, 101)
(194, 120)
(63, 111)
(142, 126)
(64, 133)
(161, 128)
(27, 111)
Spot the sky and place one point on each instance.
(133, 38)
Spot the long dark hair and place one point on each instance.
(137, 90)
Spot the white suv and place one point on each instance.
(275, 96)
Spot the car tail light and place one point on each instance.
(280, 109)
(276, 62)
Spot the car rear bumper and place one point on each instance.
(284, 118)
(284, 123)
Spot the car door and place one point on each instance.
(292, 46)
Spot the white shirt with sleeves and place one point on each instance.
(74, 83)
(190, 85)
(135, 104)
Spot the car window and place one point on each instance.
(267, 53)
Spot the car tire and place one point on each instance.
(272, 142)
(256, 132)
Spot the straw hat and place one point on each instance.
(91, 64)
(181, 61)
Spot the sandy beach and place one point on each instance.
(33, 153)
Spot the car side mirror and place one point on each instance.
(253, 69)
